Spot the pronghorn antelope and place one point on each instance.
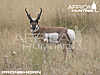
(52, 33)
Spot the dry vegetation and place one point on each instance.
(13, 21)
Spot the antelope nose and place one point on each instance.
(33, 27)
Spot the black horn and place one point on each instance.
(38, 17)
(29, 16)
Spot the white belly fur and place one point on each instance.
(71, 34)
(52, 37)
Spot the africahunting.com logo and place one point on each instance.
(83, 8)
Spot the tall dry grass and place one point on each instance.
(13, 22)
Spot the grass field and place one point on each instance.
(14, 25)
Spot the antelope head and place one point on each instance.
(33, 22)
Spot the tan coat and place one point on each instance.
(45, 29)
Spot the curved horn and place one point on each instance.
(39, 14)
(29, 16)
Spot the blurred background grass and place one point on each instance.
(13, 21)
